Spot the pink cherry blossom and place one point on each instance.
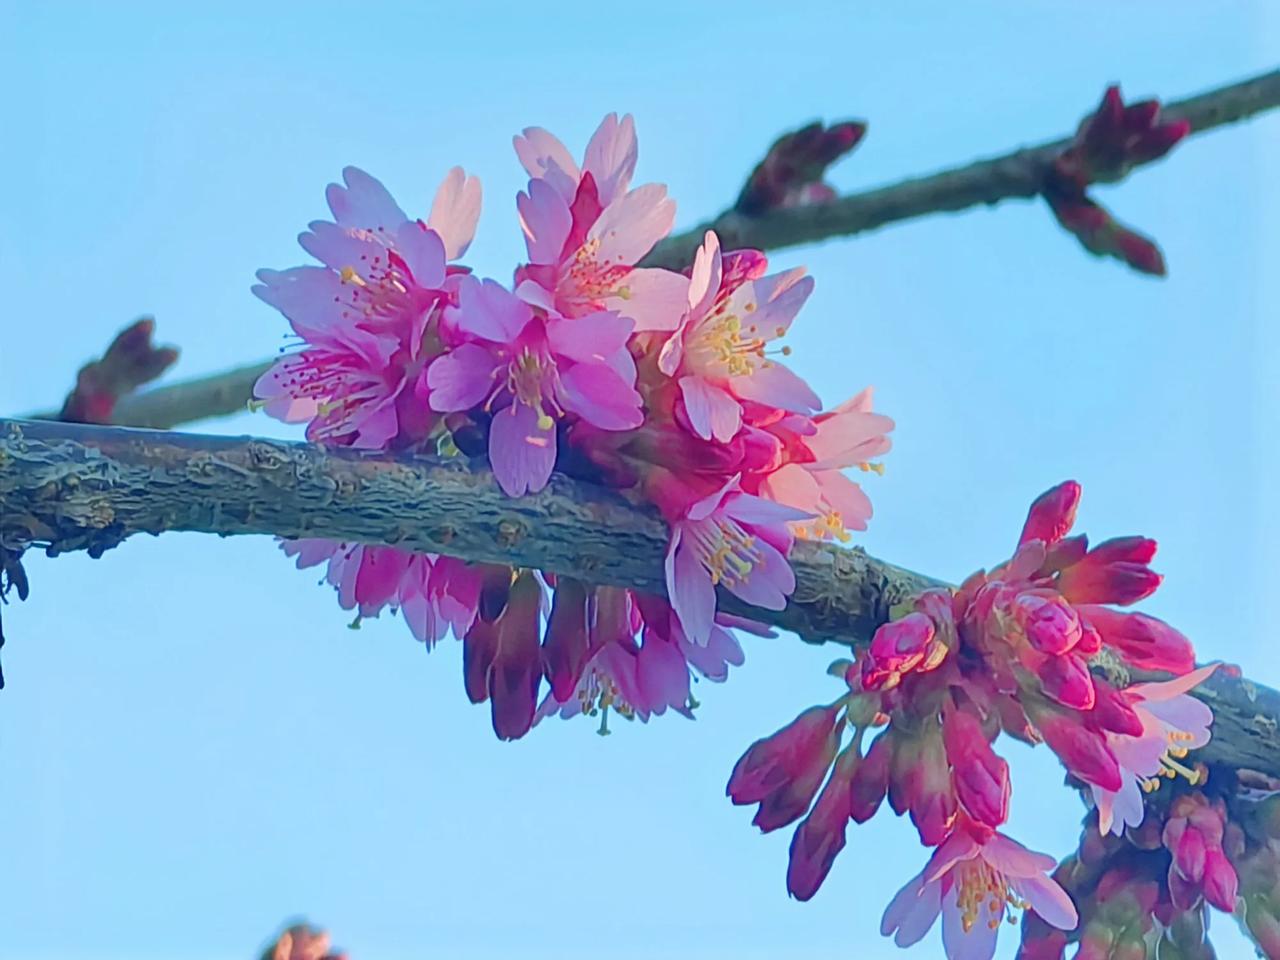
(362, 315)
(730, 539)
(1173, 723)
(718, 352)
(634, 659)
(531, 369)
(585, 231)
(972, 879)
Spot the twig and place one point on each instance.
(74, 487)
(1016, 175)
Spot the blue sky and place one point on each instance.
(193, 746)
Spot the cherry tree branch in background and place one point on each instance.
(70, 487)
(785, 204)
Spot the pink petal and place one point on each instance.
(769, 583)
(655, 298)
(776, 386)
(487, 310)
(977, 943)
(273, 387)
(629, 227)
(795, 486)
(461, 379)
(611, 156)
(545, 158)
(662, 675)
(1013, 859)
(846, 498)
(545, 220)
(746, 508)
(1167, 689)
(599, 396)
(779, 298)
(590, 338)
(423, 253)
(456, 211)
(306, 296)
(693, 597)
(339, 247)
(713, 661)
(960, 845)
(708, 505)
(912, 911)
(536, 295)
(672, 353)
(704, 281)
(1187, 715)
(521, 455)
(712, 412)
(1049, 900)
(364, 203)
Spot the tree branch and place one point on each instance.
(74, 487)
(1016, 175)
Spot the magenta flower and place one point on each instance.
(530, 369)
(585, 231)
(1173, 724)
(362, 315)
(718, 352)
(624, 652)
(973, 877)
(732, 539)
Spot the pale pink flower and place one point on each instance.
(362, 315)
(850, 435)
(530, 370)
(1173, 724)
(718, 353)
(730, 539)
(639, 661)
(973, 877)
(585, 231)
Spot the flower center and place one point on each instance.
(379, 295)
(979, 883)
(531, 375)
(597, 694)
(1171, 766)
(723, 345)
(829, 525)
(726, 550)
(590, 280)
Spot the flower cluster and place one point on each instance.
(670, 385)
(1010, 650)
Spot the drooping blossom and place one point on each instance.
(719, 352)
(613, 650)
(731, 539)
(972, 880)
(1173, 724)
(813, 478)
(364, 314)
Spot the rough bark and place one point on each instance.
(73, 487)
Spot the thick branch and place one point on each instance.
(1019, 174)
(73, 487)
